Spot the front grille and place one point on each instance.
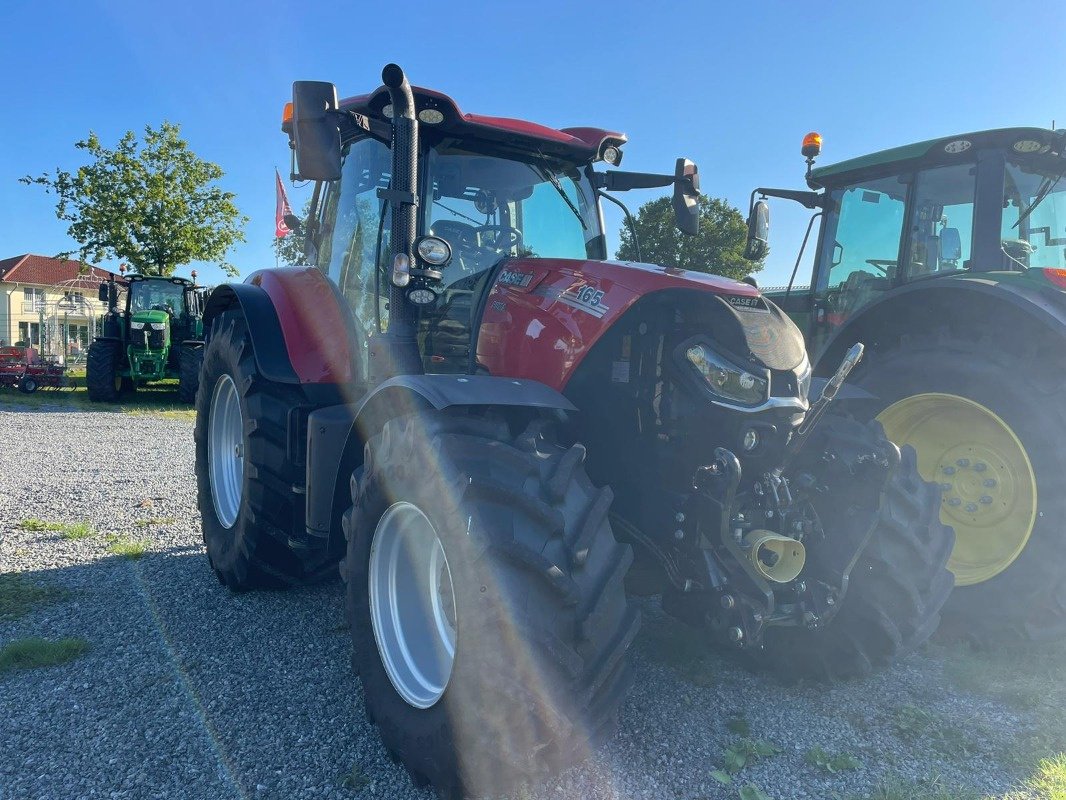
(156, 339)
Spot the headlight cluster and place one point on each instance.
(158, 326)
(137, 326)
(726, 379)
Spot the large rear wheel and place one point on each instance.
(984, 433)
(249, 491)
(485, 595)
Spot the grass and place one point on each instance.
(68, 530)
(740, 754)
(34, 652)
(355, 779)
(158, 399)
(127, 548)
(676, 645)
(1048, 782)
(927, 729)
(19, 595)
(153, 521)
(831, 762)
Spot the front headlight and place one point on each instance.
(137, 326)
(159, 326)
(726, 379)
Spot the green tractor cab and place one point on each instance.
(948, 259)
(153, 331)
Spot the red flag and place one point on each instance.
(281, 230)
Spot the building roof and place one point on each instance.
(49, 271)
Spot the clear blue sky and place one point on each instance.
(733, 87)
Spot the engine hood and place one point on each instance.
(150, 316)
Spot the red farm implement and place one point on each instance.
(24, 369)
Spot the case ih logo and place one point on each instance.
(585, 298)
(742, 303)
(514, 278)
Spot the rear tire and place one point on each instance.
(102, 379)
(28, 385)
(249, 504)
(1026, 599)
(189, 360)
(539, 665)
(896, 589)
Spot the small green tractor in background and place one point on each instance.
(152, 331)
(947, 258)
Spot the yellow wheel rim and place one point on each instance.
(987, 483)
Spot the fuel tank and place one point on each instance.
(543, 316)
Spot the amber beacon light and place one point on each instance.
(812, 145)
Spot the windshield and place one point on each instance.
(488, 207)
(1034, 236)
(158, 295)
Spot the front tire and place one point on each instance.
(247, 487)
(28, 385)
(190, 359)
(103, 365)
(524, 670)
(898, 585)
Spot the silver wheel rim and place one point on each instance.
(225, 450)
(412, 605)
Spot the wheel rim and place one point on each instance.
(412, 605)
(986, 480)
(225, 450)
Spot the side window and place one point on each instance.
(861, 246)
(353, 232)
(940, 223)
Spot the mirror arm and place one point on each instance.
(811, 200)
(617, 181)
(629, 220)
(799, 256)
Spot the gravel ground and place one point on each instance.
(190, 691)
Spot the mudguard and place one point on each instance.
(336, 434)
(301, 331)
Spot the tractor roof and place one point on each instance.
(945, 149)
(579, 145)
(171, 279)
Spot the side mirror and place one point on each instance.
(104, 293)
(686, 197)
(950, 244)
(316, 136)
(758, 231)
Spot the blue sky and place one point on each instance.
(733, 87)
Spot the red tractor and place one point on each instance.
(502, 437)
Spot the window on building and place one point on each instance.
(30, 333)
(32, 297)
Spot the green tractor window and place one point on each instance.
(940, 224)
(158, 296)
(1039, 238)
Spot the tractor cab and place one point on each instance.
(987, 202)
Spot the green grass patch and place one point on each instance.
(152, 522)
(918, 726)
(34, 652)
(681, 648)
(157, 399)
(355, 779)
(743, 753)
(34, 524)
(831, 762)
(19, 595)
(68, 530)
(127, 548)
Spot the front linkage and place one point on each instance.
(750, 540)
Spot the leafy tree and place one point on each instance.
(290, 249)
(154, 204)
(718, 248)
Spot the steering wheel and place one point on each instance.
(504, 237)
(161, 307)
(882, 264)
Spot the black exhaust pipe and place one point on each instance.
(398, 354)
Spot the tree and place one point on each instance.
(290, 249)
(153, 205)
(717, 248)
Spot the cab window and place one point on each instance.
(940, 222)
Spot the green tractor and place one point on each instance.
(152, 331)
(948, 259)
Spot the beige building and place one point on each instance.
(50, 303)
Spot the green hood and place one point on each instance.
(147, 317)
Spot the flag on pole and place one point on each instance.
(281, 230)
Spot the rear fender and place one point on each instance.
(300, 329)
(973, 306)
(336, 434)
